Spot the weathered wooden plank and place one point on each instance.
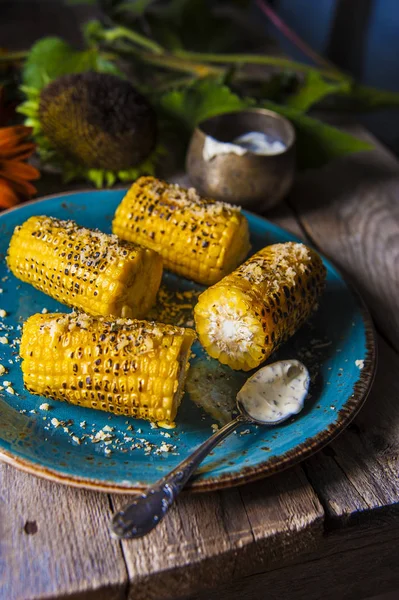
(286, 519)
(348, 563)
(359, 569)
(350, 210)
(184, 552)
(358, 473)
(210, 538)
(283, 216)
(55, 543)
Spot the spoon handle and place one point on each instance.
(148, 509)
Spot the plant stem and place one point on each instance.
(165, 86)
(111, 35)
(13, 56)
(176, 63)
(294, 38)
(373, 98)
(259, 59)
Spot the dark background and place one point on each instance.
(360, 36)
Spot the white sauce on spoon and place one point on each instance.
(255, 142)
(276, 391)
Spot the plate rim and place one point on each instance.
(247, 474)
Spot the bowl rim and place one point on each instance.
(262, 111)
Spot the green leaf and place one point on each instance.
(51, 57)
(29, 109)
(96, 176)
(318, 143)
(136, 8)
(110, 178)
(315, 88)
(201, 100)
(103, 65)
(369, 98)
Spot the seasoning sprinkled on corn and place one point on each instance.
(174, 307)
(86, 269)
(247, 315)
(129, 367)
(198, 238)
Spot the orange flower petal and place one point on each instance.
(12, 136)
(18, 153)
(23, 188)
(8, 197)
(15, 171)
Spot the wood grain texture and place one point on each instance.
(350, 211)
(349, 565)
(358, 473)
(54, 542)
(286, 518)
(210, 538)
(282, 215)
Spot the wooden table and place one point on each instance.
(328, 528)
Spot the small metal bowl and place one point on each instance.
(254, 181)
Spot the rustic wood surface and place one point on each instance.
(350, 210)
(328, 528)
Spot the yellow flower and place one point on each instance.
(15, 174)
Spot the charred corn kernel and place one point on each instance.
(200, 239)
(245, 317)
(129, 367)
(87, 269)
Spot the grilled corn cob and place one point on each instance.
(84, 268)
(200, 239)
(245, 317)
(128, 367)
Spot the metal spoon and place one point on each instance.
(269, 397)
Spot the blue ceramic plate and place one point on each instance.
(337, 345)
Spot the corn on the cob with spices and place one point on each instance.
(247, 315)
(85, 268)
(200, 239)
(128, 367)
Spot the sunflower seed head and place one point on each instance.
(97, 120)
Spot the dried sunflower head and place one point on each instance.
(94, 125)
(98, 120)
